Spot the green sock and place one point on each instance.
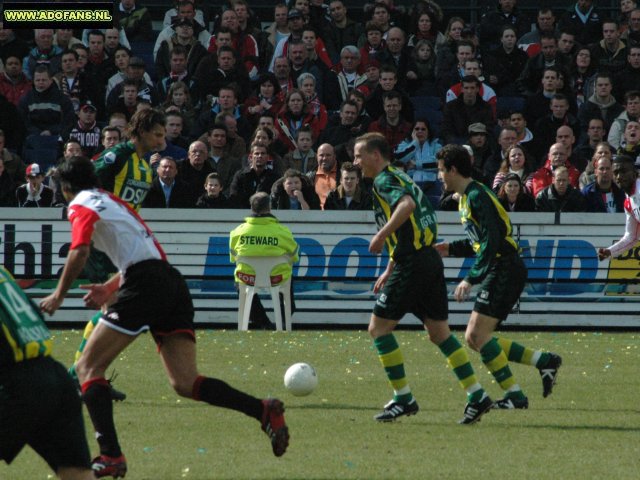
(393, 362)
(496, 361)
(458, 359)
(521, 354)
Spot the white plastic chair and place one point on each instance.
(262, 267)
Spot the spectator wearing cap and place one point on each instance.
(13, 82)
(45, 110)
(185, 41)
(186, 9)
(295, 21)
(468, 108)
(122, 58)
(482, 146)
(136, 74)
(86, 130)
(34, 193)
(135, 20)
(44, 53)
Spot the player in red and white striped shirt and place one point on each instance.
(151, 295)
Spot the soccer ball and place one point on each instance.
(300, 379)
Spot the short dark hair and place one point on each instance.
(391, 95)
(70, 51)
(373, 141)
(179, 50)
(471, 79)
(218, 126)
(42, 69)
(213, 176)
(453, 155)
(96, 32)
(260, 203)
(77, 174)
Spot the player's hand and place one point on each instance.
(381, 281)
(377, 243)
(51, 303)
(603, 253)
(462, 291)
(442, 248)
(97, 296)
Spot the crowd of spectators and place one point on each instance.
(542, 102)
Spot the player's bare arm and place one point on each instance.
(100, 293)
(75, 263)
(402, 212)
(382, 279)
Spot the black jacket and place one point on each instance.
(549, 201)
(337, 201)
(182, 196)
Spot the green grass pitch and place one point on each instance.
(589, 428)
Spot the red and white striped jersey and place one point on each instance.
(632, 227)
(116, 229)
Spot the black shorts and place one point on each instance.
(155, 297)
(416, 286)
(40, 406)
(501, 288)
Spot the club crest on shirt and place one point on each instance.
(109, 157)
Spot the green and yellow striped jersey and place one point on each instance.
(122, 172)
(421, 228)
(24, 335)
(488, 229)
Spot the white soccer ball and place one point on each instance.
(301, 379)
